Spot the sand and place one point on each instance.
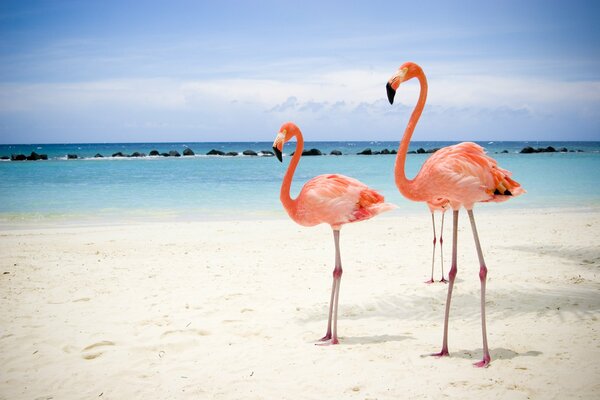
(231, 310)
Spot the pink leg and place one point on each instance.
(441, 247)
(433, 255)
(482, 277)
(451, 276)
(331, 335)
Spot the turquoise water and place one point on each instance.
(212, 187)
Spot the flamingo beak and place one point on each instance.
(278, 153)
(390, 92)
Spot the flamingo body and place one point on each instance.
(336, 200)
(462, 175)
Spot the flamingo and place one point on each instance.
(460, 175)
(332, 199)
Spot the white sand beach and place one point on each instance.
(231, 310)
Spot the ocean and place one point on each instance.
(202, 187)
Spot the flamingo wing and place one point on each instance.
(336, 200)
(464, 174)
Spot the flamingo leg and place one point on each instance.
(331, 335)
(482, 277)
(433, 255)
(441, 247)
(451, 276)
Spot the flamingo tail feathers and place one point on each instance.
(371, 203)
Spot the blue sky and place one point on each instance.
(115, 71)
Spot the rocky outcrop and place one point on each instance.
(335, 153)
(188, 152)
(154, 153)
(174, 153)
(249, 153)
(214, 152)
(312, 152)
(529, 150)
(365, 152)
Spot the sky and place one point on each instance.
(151, 71)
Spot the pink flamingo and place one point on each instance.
(332, 199)
(460, 175)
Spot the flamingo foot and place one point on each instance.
(443, 280)
(443, 353)
(328, 342)
(429, 282)
(483, 363)
(326, 337)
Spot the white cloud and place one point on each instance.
(345, 103)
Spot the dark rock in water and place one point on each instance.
(393, 151)
(98, 155)
(119, 154)
(385, 151)
(165, 154)
(579, 151)
(138, 154)
(174, 153)
(335, 153)
(214, 152)
(249, 153)
(504, 151)
(365, 152)
(188, 152)
(232, 153)
(563, 150)
(71, 156)
(528, 150)
(312, 152)
(154, 153)
(5, 158)
(411, 152)
(550, 149)
(267, 153)
(421, 150)
(429, 151)
(34, 156)
(376, 152)
(43, 156)
(18, 157)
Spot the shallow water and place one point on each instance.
(214, 187)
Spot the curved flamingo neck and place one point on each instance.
(405, 185)
(288, 203)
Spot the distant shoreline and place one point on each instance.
(256, 149)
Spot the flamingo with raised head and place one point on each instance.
(332, 199)
(460, 175)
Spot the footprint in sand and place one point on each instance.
(93, 350)
(185, 332)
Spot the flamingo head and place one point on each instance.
(406, 71)
(286, 132)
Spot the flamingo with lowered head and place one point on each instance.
(460, 175)
(332, 199)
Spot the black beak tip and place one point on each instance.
(390, 93)
(278, 154)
